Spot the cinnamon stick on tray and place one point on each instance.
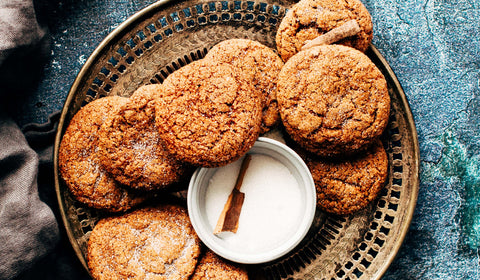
(343, 31)
(228, 220)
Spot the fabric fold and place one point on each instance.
(28, 229)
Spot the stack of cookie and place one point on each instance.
(331, 100)
(79, 160)
(117, 152)
(208, 113)
(334, 103)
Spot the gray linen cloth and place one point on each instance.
(28, 229)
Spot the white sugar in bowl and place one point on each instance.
(277, 211)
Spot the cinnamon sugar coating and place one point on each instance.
(309, 19)
(209, 114)
(79, 163)
(333, 100)
(130, 146)
(348, 185)
(150, 243)
(262, 64)
(213, 267)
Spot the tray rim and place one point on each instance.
(158, 5)
(416, 159)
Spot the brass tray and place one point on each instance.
(163, 37)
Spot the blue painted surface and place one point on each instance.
(433, 49)
(432, 46)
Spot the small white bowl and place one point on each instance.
(242, 247)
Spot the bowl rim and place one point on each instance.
(309, 206)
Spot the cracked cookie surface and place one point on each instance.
(209, 114)
(309, 19)
(346, 186)
(130, 146)
(149, 243)
(79, 163)
(333, 100)
(262, 64)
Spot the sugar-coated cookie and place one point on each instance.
(262, 64)
(149, 243)
(79, 162)
(209, 115)
(333, 100)
(130, 145)
(309, 19)
(348, 185)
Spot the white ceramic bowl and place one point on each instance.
(297, 226)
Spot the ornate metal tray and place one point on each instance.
(169, 34)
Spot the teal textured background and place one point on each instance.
(431, 45)
(433, 48)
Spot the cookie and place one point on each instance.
(209, 114)
(348, 185)
(333, 100)
(149, 243)
(130, 146)
(79, 163)
(259, 61)
(309, 19)
(211, 267)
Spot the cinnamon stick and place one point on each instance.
(343, 31)
(228, 220)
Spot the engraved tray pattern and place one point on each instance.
(163, 37)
